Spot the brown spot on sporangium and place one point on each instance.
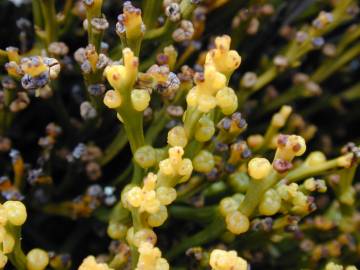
(115, 77)
(296, 147)
(282, 139)
(282, 166)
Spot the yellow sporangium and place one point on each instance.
(289, 146)
(144, 198)
(203, 162)
(157, 219)
(270, 203)
(166, 195)
(122, 77)
(205, 129)
(37, 259)
(143, 235)
(132, 21)
(237, 223)
(228, 205)
(279, 119)
(287, 192)
(140, 99)
(315, 158)
(89, 263)
(175, 165)
(112, 99)
(224, 59)
(227, 100)
(226, 260)
(177, 136)
(259, 168)
(16, 212)
(300, 202)
(116, 230)
(203, 94)
(150, 258)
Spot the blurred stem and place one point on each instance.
(151, 9)
(158, 32)
(49, 15)
(66, 11)
(3, 54)
(271, 131)
(123, 176)
(156, 127)
(117, 144)
(285, 98)
(204, 214)
(36, 10)
(348, 38)
(265, 78)
(93, 38)
(295, 51)
(328, 68)
(38, 20)
(6, 116)
(323, 72)
(61, 112)
(352, 93)
(208, 234)
(185, 56)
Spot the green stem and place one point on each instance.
(157, 126)
(306, 171)
(93, 38)
(137, 224)
(123, 176)
(208, 234)
(135, 133)
(352, 93)
(269, 134)
(326, 70)
(158, 32)
(284, 98)
(137, 174)
(191, 119)
(49, 15)
(204, 214)
(255, 192)
(265, 78)
(17, 256)
(151, 9)
(117, 144)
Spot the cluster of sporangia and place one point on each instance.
(12, 216)
(191, 145)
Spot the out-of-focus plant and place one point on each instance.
(218, 101)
